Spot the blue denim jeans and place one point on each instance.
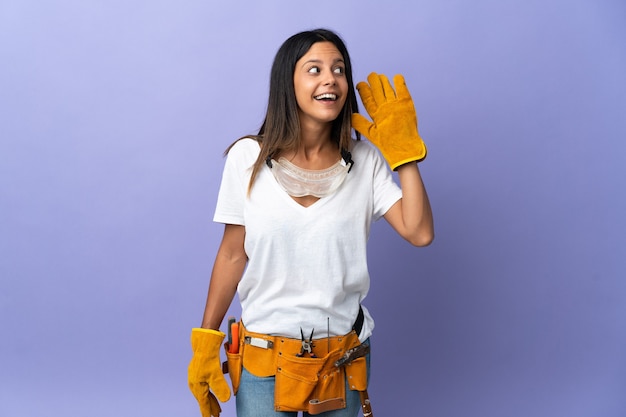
(255, 398)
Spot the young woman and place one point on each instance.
(297, 201)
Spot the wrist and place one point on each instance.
(406, 166)
(210, 331)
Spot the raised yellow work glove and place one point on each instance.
(394, 127)
(206, 380)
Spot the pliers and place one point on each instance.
(307, 345)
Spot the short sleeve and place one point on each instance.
(235, 177)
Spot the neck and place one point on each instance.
(316, 150)
(315, 138)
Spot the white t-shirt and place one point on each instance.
(307, 266)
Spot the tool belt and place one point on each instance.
(315, 382)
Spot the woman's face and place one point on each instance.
(320, 84)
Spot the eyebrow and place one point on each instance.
(318, 61)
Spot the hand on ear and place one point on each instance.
(394, 122)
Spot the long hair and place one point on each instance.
(280, 130)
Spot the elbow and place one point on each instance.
(421, 239)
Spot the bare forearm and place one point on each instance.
(228, 268)
(222, 289)
(417, 217)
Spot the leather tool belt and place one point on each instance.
(314, 383)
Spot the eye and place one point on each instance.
(314, 70)
(339, 70)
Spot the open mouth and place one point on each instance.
(326, 97)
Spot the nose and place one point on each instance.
(329, 78)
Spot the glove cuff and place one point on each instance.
(206, 340)
(414, 158)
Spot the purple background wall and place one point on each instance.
(113, 118)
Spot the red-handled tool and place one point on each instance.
(233, 335)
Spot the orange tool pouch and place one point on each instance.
(311, 384)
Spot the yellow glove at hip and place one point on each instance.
(206, 380)
(394, 127)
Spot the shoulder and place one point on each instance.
(244, 145)
(244, 150)
(364, 152)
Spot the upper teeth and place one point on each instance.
(327, 95)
